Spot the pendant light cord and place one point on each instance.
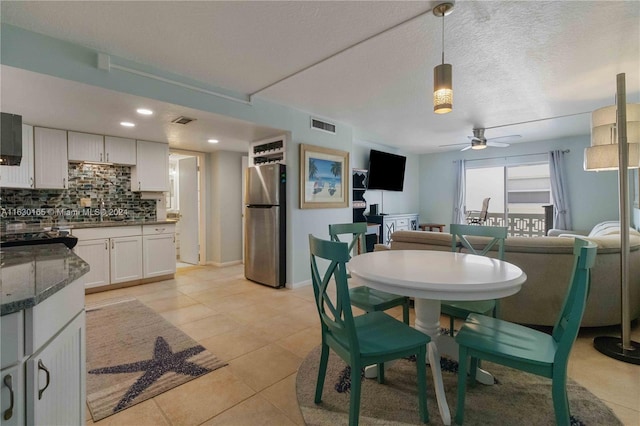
(443, 38)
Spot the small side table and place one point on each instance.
(432, 226)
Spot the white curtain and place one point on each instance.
(458, 201)
(559, 193)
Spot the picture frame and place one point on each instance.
(324, 179)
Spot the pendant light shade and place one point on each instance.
(443, 73)
(603, 152)
(442, 89)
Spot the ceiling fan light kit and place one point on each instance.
(443, 73)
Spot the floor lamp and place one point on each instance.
(610, 150)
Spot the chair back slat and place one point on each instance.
(567, 325)
(460, 233)
(355, 231)
(331, 290)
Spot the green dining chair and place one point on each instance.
(365, 298)
(522, 348)
(373, 338)
(461, 309)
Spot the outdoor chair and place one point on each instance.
(372, 338)
(529, 350)
(479, 217)
(365, 298)
(462, 308)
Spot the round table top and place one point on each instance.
(439, 275)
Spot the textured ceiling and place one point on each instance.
(513, 62)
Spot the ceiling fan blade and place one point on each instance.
(505, 138)
(454, 144)
(497, 144)
(466, 148)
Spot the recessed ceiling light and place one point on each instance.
(213, 141)
(127, 124)
(144, 111)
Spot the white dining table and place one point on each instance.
(432, 276)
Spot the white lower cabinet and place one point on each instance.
(12, 395)
(46, 381)
(126, 259)
(56, 378)
(126, 253)
(159, 255)
(96, 253)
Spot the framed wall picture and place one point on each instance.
(324, 181)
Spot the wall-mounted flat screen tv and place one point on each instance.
(386, 171)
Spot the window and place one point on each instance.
(519, 187)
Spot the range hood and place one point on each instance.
(10, 139)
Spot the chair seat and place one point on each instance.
(380, 334)
(369, 299)
(461, 309)
(508, 340)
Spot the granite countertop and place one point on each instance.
(31, 274)
(80, 225)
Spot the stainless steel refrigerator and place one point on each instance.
(265, 225)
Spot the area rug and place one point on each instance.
(516, 399)
(134, 354)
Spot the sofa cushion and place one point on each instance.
(611, 227)
(423, 237)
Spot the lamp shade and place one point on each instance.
(442, 89)
(603, 152)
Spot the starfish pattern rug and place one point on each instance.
(134, 354)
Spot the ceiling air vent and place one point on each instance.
(323, 125)
(183, 120)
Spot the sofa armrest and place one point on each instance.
(565, 233)
(381, 247)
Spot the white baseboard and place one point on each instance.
(223, 264)
(299, 284)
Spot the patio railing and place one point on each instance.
(520, 224)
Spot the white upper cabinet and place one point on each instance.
(20, 176)
(50, 158)
(86, 147)
(101, 149)
(120, 150)
(151, 172)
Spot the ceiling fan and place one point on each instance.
(478, 141)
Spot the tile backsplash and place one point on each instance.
(88, 184)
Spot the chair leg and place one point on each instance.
(421, 364)
(354, 399)
(381, 373)
(451, 324)
(473, 371)
(322, 371)
(405, 311)
(560, 400)
(462, 383)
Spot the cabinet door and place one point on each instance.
(151, 172)
(12, 407)
(85, 147)
(56, 378)
(20, 176)
(96, 254)
(120, 150)
(126, 259)
(50, 158)
(159, 254)
(389, 226)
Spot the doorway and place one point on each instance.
(184, 203)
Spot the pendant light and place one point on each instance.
(442, 74)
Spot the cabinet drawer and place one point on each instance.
(12, 332)
(164, 228)
(51, 315)
(402, 222)
(106, 232)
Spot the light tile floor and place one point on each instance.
(265, 333)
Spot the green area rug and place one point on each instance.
(517, 399)
(134, 354)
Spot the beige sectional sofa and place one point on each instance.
(548, 262)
